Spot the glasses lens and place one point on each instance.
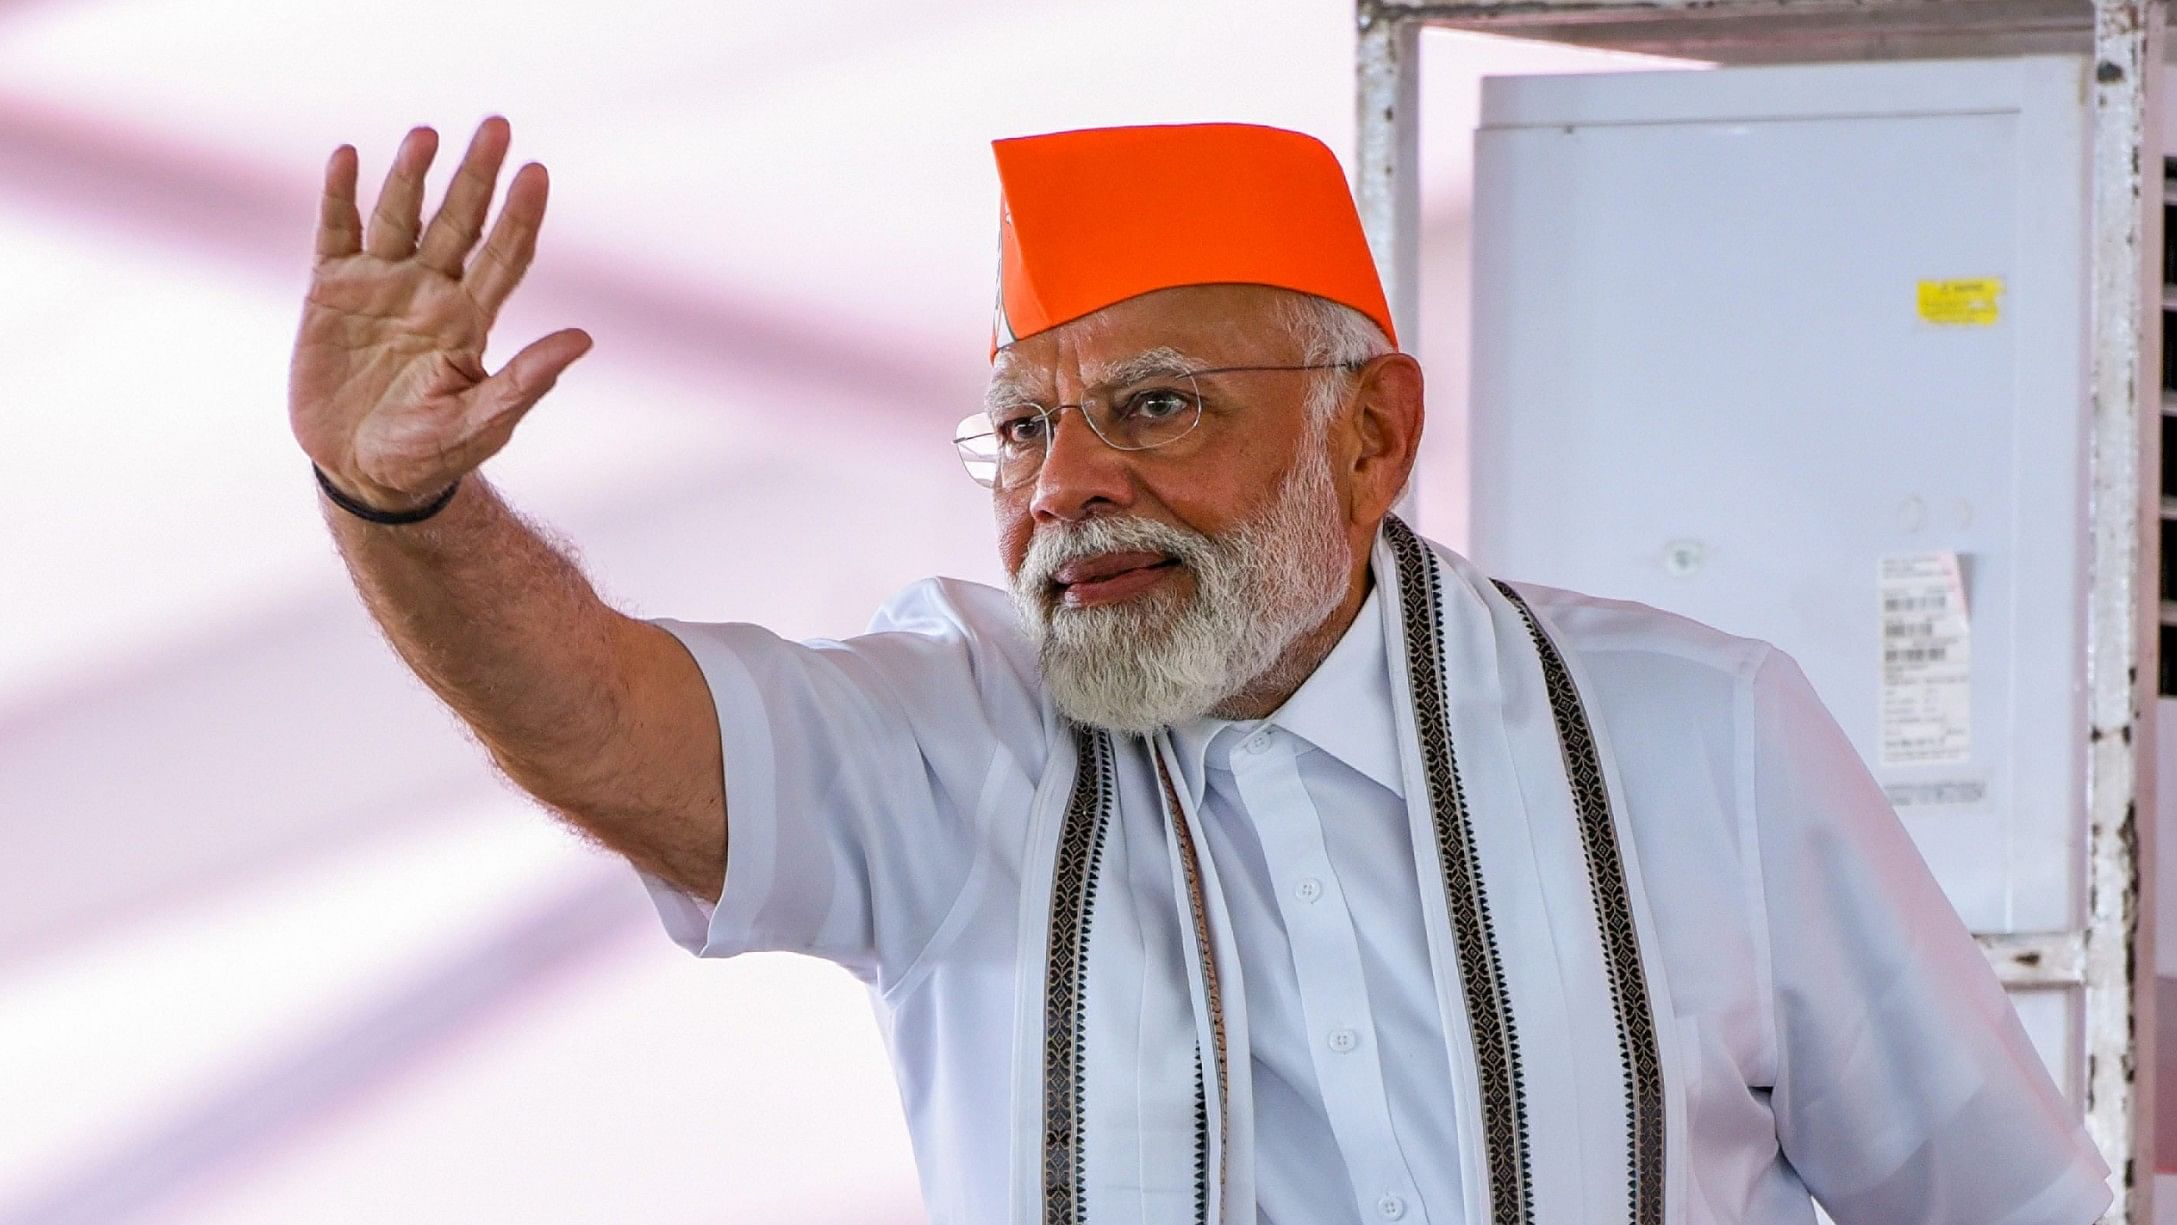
(978, 448)
(1006, 447)
(1148, 414)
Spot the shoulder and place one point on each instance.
(948, 607)
(965, 628)
(1677, 701)
(974, 616)
(1621, 641)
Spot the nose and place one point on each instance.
(1081, 476)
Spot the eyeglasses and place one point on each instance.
(1007, 445)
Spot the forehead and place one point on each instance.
(1221, 325)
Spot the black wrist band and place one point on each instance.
(360, 511)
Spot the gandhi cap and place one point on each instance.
(1096, 216)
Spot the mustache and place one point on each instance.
(1053, 547)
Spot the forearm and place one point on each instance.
(603, 718)
(505, 629)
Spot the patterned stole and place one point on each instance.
(1554, 1009)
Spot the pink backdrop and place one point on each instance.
(274, 944)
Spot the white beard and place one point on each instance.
(1164, 658)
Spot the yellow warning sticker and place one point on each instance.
(1970, 303)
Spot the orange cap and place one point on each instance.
(1093, 217)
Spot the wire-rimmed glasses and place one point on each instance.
(1006, 445)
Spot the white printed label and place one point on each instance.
(1944, 793)
(1927, 661)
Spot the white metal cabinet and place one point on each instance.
(1703, 379)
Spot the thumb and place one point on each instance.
(503, 398)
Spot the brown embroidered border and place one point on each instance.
(1621, 939)
(1481, 967)
(1065, 993)
(1192, 868)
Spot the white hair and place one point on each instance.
(1330, 333)
(1156, 660)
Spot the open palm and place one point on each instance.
(387, 392)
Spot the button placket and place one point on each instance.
(1334, 1001)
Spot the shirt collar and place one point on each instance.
(1343, 709)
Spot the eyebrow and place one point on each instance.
(1006, 391)
(1161, 360)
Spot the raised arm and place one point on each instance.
(601, 717)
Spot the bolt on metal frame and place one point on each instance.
(2110, 958)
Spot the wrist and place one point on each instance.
(366, 509)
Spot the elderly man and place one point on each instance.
(1253, 859)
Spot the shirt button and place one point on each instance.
(1308, 890)
(1392, 1207)
(1257, 743)
(1343, 1040)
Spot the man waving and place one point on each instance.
(1251, 858)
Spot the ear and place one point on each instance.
(1384, 434)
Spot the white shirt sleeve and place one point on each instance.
(1907, 1090)
(858, 774)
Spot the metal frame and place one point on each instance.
(2109, 959)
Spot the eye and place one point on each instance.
(1156, 405)
(1019, 428)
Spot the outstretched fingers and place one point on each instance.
(460, 220)
(339, 226)
(513, 243)
(393, 224)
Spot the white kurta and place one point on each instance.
(1843, 1034)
